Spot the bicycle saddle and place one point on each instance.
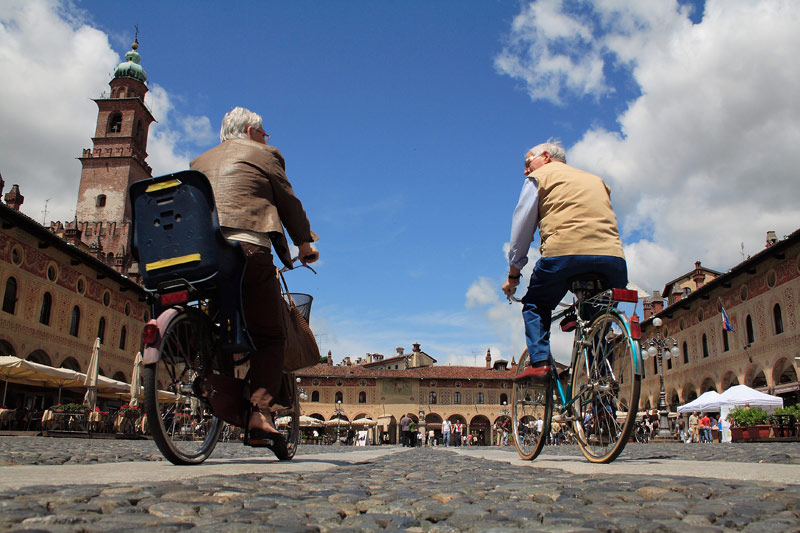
(587, 285)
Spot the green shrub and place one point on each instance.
(747, 416)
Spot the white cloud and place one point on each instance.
(54, 62)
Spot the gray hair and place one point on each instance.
(552, 147)
(236, 122)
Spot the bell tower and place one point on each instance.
(119, 150)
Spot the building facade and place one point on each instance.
(373, 388)
(56, 300)
(761, 295)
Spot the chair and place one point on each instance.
(178, 243)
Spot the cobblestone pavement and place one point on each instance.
(413, 490)
(53, 451)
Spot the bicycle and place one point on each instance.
(192, 276)
(604, 375)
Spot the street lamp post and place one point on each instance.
(338, 411)
(661, 347)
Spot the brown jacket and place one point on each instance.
(253, 193)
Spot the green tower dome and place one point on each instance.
(131, 68)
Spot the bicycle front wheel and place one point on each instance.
(180, 422)
(606, 389)
(531, 412)
(289, 419)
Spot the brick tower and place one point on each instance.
(117, 159)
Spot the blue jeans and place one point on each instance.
(446, 438)
(548, 286)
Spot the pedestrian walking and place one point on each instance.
(446, 432)
(405, 430)
(458, 430)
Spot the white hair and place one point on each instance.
(236, 122)
(552, 147)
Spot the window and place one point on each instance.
(777, 319)
(10, 296)
(362, 397)
(705, 345)
(431, 397)
(339, 397)
(503, 399)
(115, 123)
(725, 345)
(685, 353)
(101, 330)
(480, 400)
(457, 398)
(100, 201)
(748, 324)
(75, 323)
(315, 396)
(44, 314)
(669, 364)
(123, 337)
(655, 365)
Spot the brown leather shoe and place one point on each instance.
(540, 374)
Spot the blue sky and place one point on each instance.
(404, 126)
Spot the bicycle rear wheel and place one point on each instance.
(180, 422)
(530, 403)
(290, 419)
(604, 380)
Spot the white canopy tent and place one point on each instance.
(708, 401)
(736, 396)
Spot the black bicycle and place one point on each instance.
(192, 346)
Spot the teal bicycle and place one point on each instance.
(599, 394)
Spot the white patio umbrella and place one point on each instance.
(366, 421)
(90, 399)
(309, 422)
(136, 379)
(337, 422)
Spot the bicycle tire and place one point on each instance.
(530, 402)
(180, 427)
(291, 431)
(604, 376)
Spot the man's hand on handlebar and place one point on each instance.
(307, 253)
(511, 283)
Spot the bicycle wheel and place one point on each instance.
(290, 418)
(604, 378)
(530, 403)
(180, 422)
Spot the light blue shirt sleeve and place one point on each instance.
(523, 223)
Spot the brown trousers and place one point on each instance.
(265, 314)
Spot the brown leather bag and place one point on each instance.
(301, 346)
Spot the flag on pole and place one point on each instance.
(727, 325)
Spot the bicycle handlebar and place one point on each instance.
(296, 259)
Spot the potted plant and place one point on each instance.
(70, 408)
(130, 411)
(749, 422)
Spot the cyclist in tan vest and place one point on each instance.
(578, 232)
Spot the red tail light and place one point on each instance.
(150, 332)
(636, 328)
(624, 295)
(174, 298)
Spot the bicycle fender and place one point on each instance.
(635, 346)
(150, 354)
